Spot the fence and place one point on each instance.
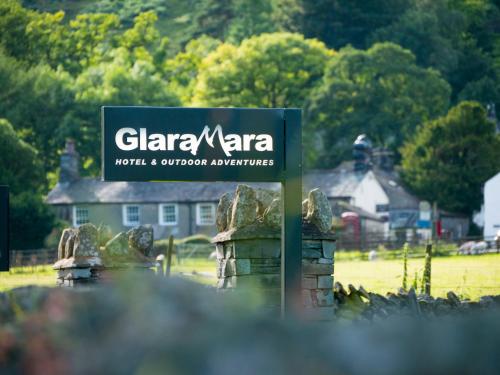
(34, 257)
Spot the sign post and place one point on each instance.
(4, 229)
(214, 144)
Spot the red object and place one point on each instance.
(439, 228)
(352, 225)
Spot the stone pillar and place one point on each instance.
(81, 261)
(248, 249)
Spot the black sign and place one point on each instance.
(4, 228)
(214, 144)
(193, 144)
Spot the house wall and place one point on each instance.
(492, 207)
(111, 214)
(369, 194)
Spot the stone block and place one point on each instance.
(325, 282)
(312, 244)
(307, 298)
(141, 239)
(316, 269)
(251, 281)
(233, 267)
(322, 297)
(325, 260)
(328, 248)
(61, 249)
(86, 241)
(261, 248)
(309, 282)
(311, 253)
(74, 273)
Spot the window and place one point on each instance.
(205, 214)
(80, 216)
(168, 214)
(131, 215)
(382, 207)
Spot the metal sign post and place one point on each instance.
(214, 144)
(4, 229)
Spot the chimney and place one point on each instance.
(362, 153)
(70, 161)
(383, 158)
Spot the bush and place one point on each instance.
(31, 220)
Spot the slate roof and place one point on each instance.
(343, 180)
(87, 190)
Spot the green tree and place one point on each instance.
(38, 101)
(22, 170)
(339, 22)
(439, 34)
(251, 17)
(122, 81)
(270, 70)
(380, 92)
(181, 71)
(213, 18)
(451, 157)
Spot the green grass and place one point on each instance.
(21, 276)
(468, 276)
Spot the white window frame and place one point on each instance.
(161, 220)
(75, 221)
(126, 222)
(198, 214)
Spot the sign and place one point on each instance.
(184, 144)
(425, 213)
(214, 144)
(4, 228)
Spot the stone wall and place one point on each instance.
(87, 254)
(248, 248)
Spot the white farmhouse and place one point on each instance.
(492, 207)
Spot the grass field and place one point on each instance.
(468, 276)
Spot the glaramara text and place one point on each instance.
(129, 139)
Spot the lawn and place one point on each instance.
(468, 276)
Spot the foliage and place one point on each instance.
(406, 248)
(20, 168)
(31, 221)
(338, 22)
(181, 71)
(449, 158)
(270, 70)
(380, 92)
(122, 81)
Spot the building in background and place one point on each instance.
(491, 207)
(177, 208)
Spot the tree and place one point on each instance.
(181, 71)
(339, 22)
(440, 34)
(270, 70)
(380, 92)
(451, 157)
(123, 81)
(21, 169)
(37, 101)
(251, 17)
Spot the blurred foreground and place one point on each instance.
(147, 326)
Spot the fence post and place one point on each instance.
(427, 269)
(169, 254)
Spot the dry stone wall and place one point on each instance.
(248, 248)
(82, 261)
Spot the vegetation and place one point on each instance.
(388, 68)
(449, 158)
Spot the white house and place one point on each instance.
(492, 207)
